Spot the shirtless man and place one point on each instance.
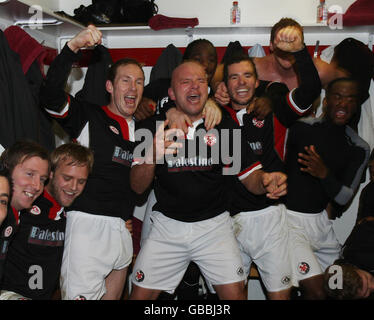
(278, 66)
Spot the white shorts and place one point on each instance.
(263, 239)
(146, 225)
(172, 244)
(313, 244)
(94, 246)
(10, 295)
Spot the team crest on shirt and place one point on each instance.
(114, 129)
(258, 123)
(285, 279)
(8, 231)
(303, 267)
(139, 276)
(35, 210)
(80, 297)
(210, 139)
(240, 271)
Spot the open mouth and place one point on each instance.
(130, 100)
(193, 98)
(340, 114)
(242, 92)
(29, 194)
(69, 194)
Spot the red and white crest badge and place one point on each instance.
(35, 210)
(8, 231)
(114, 129)
(210, 139)
(303, 267)
(139, 276)
(258, 123)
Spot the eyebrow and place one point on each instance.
(238, 73)
(4, 195)
(131, 77)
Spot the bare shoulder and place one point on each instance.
(328, 71)
(263, 65)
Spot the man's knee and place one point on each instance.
(280, 295)
(139, 293)
(231, 291)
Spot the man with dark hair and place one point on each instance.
(325, 160)
(261, 227)
(5, 192)
(6, 215)
(345, 281)
(33, 263)
(99, 249)
(356, 262)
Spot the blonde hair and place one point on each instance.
(78, 154)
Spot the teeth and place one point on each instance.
(70, 193)
(340, 113)
(193, 96)
(242, 92)
(30, 195)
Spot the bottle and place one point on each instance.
(322, 12)
(235, 13)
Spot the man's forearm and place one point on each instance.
(253, 182)
(141, 177)
(53, 95)
(309, 83)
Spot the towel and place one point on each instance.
(159, 21)
(27, 47)
(360, 13)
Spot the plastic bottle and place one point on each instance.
(322, 12)
(235, 13)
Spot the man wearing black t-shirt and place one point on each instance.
(190, 221)
(33, 263)
(29, 167)
(260, 225)
(325, 160)
(98, 247)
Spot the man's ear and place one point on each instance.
(257, 83)
(171, 93)
(324, 102)
(109, 86)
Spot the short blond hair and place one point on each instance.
(75, 152)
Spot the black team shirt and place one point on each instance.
(36, 250)
(107, 191)
(192, 187)
(343, 152)
(7, 231)
(267, 137)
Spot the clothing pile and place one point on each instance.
(21, 76)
